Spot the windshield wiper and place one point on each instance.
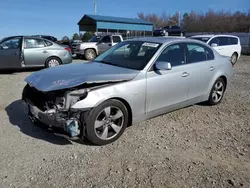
(106, 62)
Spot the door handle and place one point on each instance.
(45, 51)
(110, 44)
(212, 68)
(185, 74)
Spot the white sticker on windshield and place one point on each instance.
(154, 45)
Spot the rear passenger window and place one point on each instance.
(48, 43)
(223, 41)
(34, 43)
(116, 39)
(198, 53)
(233, 41)
(174, 54)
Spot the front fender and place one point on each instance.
(133, 92)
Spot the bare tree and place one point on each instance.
(210, 21)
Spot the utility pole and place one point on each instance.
(179, 20)
(95, 7)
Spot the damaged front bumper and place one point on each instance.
(72, 122)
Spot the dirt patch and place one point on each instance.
(198, 146)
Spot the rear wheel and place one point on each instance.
(107, 122)
(234, 58)
(52, 62)
(90, 54)
(217, 92)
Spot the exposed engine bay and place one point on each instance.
(53, 107)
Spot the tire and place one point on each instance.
(90, 54)
(234, 58)
(217, 92)
(53, 62)
(102, 128)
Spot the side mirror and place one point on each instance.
(162, 65)
(214, 45)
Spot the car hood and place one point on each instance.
(72, 75)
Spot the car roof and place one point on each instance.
(29, 36)
(214, 36)
(200, 36)
(163, 40)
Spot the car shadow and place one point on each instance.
(13, 71)
(17, 113)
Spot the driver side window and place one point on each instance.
(11, 44)
(174, 54)
(106, 39)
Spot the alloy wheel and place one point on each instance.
(53, 63)
(218, 91)
(109, 123)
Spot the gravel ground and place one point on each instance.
(199, 146)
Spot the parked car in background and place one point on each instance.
(169, 31)
(51, 38)
(133, 81)
(96, 46)
(28, 51)
(227, 45)
(73, 45)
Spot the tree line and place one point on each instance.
(210, 21)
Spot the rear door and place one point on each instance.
(104, 44)
(35, 52)
(11, 53)
(234, 45)
(115, 40)
(175, 30)
(201, 69)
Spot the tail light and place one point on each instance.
(68, 49)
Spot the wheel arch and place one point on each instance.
(53, 56)
(213, 81)
(128, 107)
(236, 54)
(91, 49)
(224, 79)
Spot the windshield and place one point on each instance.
(203, 39)
(95, 39)
(129, 54)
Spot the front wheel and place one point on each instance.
(90, 54)
(217, 92)
(107, 122)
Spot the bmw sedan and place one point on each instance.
(24, 52)
(133, 81)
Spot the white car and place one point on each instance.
(226, 45)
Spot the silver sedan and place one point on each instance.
(24, 52)
(133, 81)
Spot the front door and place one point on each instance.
(104, 44)
(11, 53)
(166, 88)
(35, 52)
